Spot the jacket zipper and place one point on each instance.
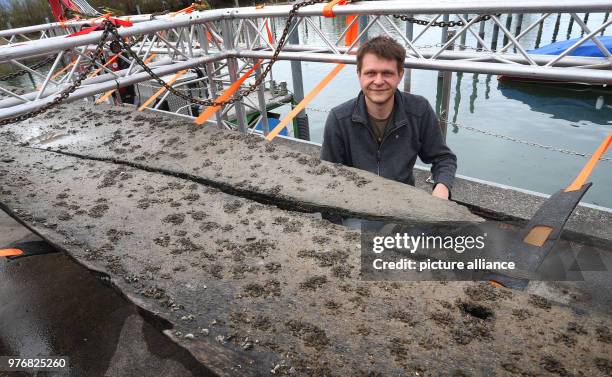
(380, 145)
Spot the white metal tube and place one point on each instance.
(544, 73)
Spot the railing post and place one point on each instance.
(508, 27)
(556, 29)
(464, 35)
(444, 86)
(261, 91)
(519, 24)
(301, 129)
(408, 72)
(481, 30)
(539, 35)
(209, 68)
(494, 37)
(363, 23)
(444, 38)
(570, 26)
(232, 66)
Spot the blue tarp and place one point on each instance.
(586, 49)
(272, 122)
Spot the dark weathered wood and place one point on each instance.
(279, 290)
(236, 163)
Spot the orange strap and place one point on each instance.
(210, 110)
(10, 252)
(63, 22)
(161, 90)
(304, 102)
(105, 96)
(353, 32)
(187, 10)
(328, 9)
(62, 70)
(107, 15)
(588, 168)
(110, 61)
(496, 284)
(270, 37)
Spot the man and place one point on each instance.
(383, 130)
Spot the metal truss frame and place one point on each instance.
(224, 43)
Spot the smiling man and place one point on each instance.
(383, 130)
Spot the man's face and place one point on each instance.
(379, 78)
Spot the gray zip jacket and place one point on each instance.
(348, 139)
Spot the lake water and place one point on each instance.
(576, 120)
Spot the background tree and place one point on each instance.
(33, 12)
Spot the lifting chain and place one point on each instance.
(65, 93)
(241, 94)
(412, 20)
(36, 65)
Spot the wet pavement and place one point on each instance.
(50, 305)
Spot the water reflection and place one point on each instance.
(561, 101)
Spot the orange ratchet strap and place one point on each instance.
(270, 37)
(304, 102)
(107, 15)
(353, 32)
(110, 61)
(162, 89)
(588, 168)
(328, 9)
(117, 22)
(210, 110)
(62, 70)
(10, 252)
(187, 10)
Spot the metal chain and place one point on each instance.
(525, 142)
(24, 71)
(66, 93)
(241, 94)
(412, 20)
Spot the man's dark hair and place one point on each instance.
(383, 47)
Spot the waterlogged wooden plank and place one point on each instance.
(249, 288)
(244, 164)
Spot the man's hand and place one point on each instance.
(440, 191)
